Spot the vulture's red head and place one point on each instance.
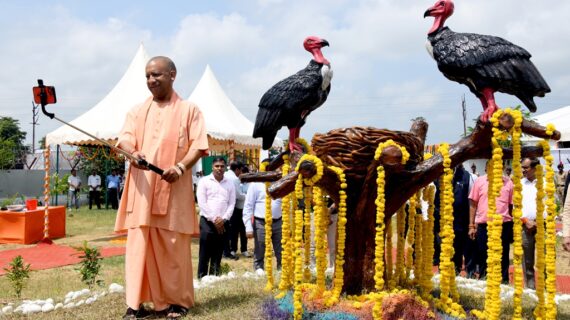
(313, 45)
(441, 10)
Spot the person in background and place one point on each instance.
(474, 170)
(331, 234)
(244, 187)
(529, 218)
(478, 221)
(566, 223)
(254, 207)
(113, 183)
(560, 182)
(94, 183)
(74, 184)
(237, 229)
(216, 198)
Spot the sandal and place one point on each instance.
(133, 314)
(176, 312)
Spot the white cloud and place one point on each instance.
(383, 76)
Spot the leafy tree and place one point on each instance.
(90, 266)
(12, 149)
(42, 143)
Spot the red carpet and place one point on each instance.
(50, 256)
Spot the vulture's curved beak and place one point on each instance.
(324, 43)
(428, 12)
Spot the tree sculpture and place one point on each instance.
(352, 149)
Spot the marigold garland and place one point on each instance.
(319, 166)
(539, 311)
(321, 224)
(390, 142)
(515, 132)
(298, 294)
(550, 241)
(285, 282)
(449, 297)
(338, 280)
(268, 261)
(427, 285)
(307, 233)
(379, 238)
(400, 273)
(419, 260)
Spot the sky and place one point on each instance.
(383, 75)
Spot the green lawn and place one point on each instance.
(238, 298)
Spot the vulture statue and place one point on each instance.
(485, 64)
(291, 100)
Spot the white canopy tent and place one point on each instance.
(560, 118)
(106, 118)
(228, 128)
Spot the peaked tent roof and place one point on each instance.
(560, 118)
(106, 118)
(223, 120)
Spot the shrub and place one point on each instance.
(90, 265)
(18, 272)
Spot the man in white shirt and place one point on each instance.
(216, 199)
(254, 206)
(237, 228)
(74, 183)
(529, 218)
(94, 183)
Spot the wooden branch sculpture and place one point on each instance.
(352, 149)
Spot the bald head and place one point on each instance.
(166, 60)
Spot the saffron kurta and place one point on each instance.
(164, 135)
(160, 217)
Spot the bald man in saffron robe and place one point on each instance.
(159, 211)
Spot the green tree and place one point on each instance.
(42, 143)
(12, 148)
(18, 272)
(100, 159)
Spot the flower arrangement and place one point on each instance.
(426, 285)
(268, 245)
(539, 311)
(285, 282)
(321, 224)
(318, 164)
(550, 240)
(390, 142)
(338, 280)
(307, 233)
(449, 297)
(298, 294)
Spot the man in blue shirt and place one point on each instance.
(113, 182)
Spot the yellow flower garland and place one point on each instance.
(494, 226)
(411, 236)
(285, 282)
(319, 166)
(338, 280)
(418, 262)
(307, 231)
(379, 238)
(427, 285)
(298, 294)
(539, 311)
(449, 298)
(321, 223)
(550, 241)
(268, 231)
(390, 142)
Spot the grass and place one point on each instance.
(238, 298)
